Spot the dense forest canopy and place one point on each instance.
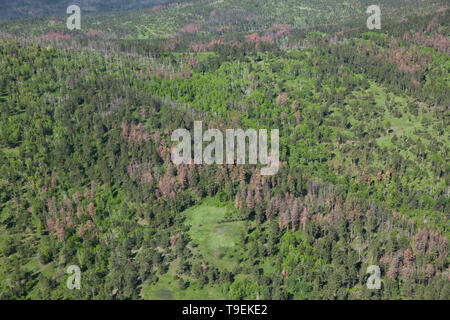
(85, 150)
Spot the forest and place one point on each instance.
(86, 118)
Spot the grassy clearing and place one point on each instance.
(168, 289)
(214, 234)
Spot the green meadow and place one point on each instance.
(215, 236)
(215, 233)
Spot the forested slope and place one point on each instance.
(86, 177)
(41, 8)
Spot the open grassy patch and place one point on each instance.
(215, 233)
(167, 288)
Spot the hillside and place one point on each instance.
(207, 19)
(85, 151)
(41, 8)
